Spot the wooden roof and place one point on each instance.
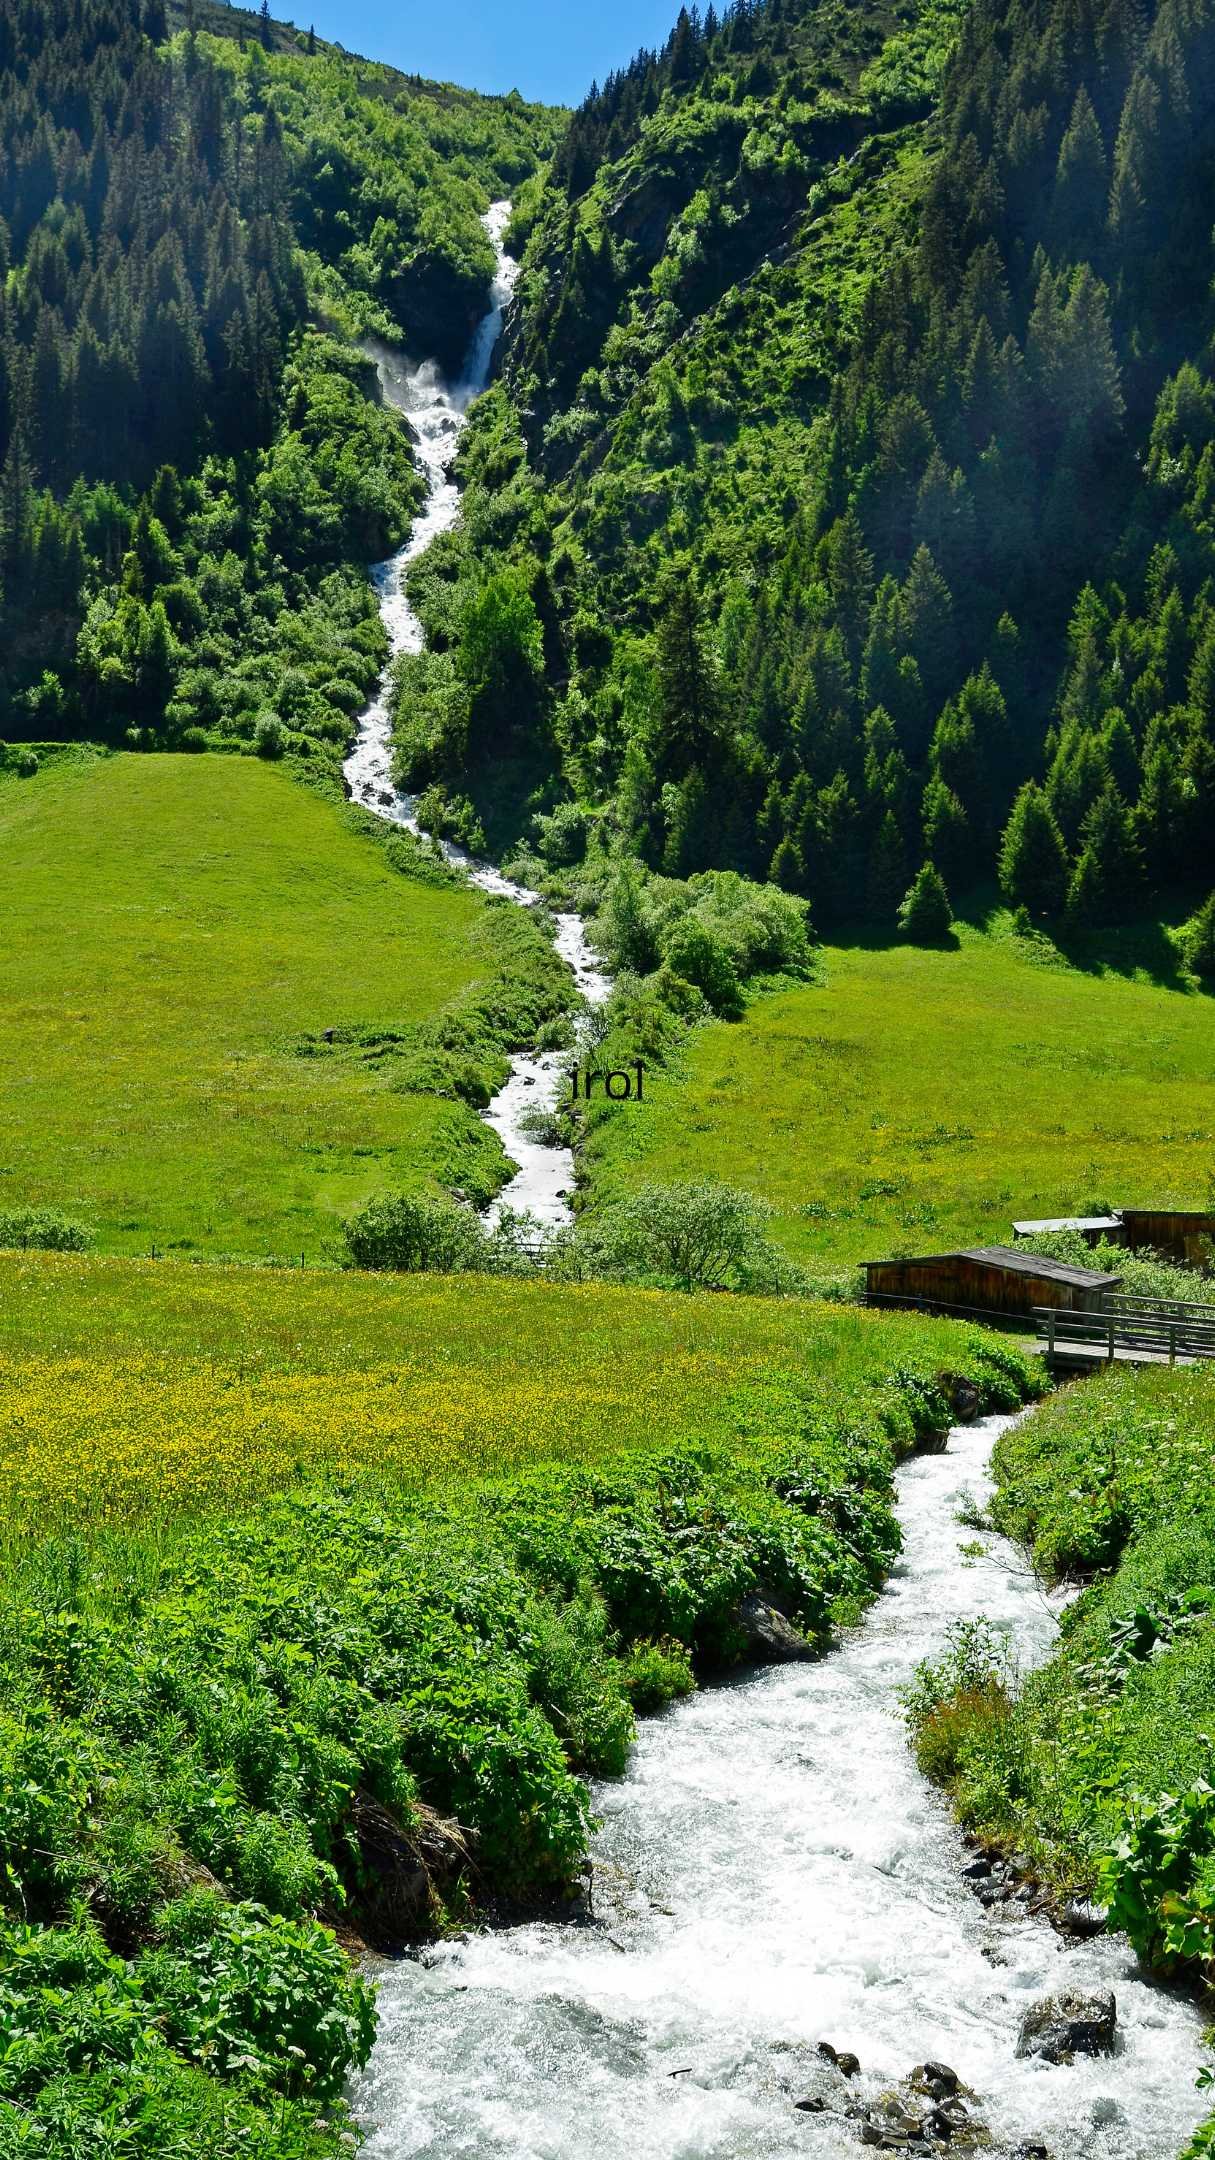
(1051, 1223)
(1015, 1263)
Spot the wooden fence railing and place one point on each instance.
(1128, 1325)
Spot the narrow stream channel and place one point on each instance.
(435, 410)
(773, 1871)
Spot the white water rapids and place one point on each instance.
(435, 411)
(773, 1871)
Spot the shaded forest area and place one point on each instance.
(194, 465)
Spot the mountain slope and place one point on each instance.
(852, 451)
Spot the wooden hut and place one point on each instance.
(989, 1281)
(1182, 1234)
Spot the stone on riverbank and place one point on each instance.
(770, 1638)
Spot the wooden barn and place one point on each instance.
(989, 1281)
(1182, 1234)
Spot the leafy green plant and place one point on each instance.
(43, 1230)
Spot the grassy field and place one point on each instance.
(921, 1098)
(136, 1391)
(178, 933)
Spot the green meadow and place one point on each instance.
(178, 935)
(915, 1098)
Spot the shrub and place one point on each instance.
(655, 1674)
(415, 1235)
(26, 764)
(43, 1230)
(699, 1235)
(1159, 1878)
(563, 835)
(269, 735)
(694, 954)
(243, 1989)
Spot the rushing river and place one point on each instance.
(435, 410)
(773, 1871)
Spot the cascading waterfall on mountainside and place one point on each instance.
(772, 1871)
(435, 410)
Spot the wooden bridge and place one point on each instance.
(1126, 1330)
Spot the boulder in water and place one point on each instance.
(936, 2079)
(1068, 2024)
(843, 2059)
(1081, 1917)
(770, 1638)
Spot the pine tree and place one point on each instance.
(887, 870)
(1033, 858)
(1106, 881)
(925, 916)
(687, 705)
(1078, 214)
(946, 833)
(265, 29)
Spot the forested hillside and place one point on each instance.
(844, 498)
(194, 467)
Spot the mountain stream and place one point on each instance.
(772, 1871)
(435, 411)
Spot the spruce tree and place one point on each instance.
(887, 870)
(925, 916)
(1033, 857)
(1106, 881)
(946, 832)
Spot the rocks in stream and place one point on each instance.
(845, 2062)
(1069, 2023)
(962, 1396)
(770, 1638)
(927, 2112)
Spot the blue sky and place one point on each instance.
(549, 49)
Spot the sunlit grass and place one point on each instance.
(919, 1099)
(173, 929)
(140, 1392)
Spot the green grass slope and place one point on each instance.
(178, 934)
(919, 1098)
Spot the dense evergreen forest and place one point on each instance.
(195, 469)
(844, 502)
